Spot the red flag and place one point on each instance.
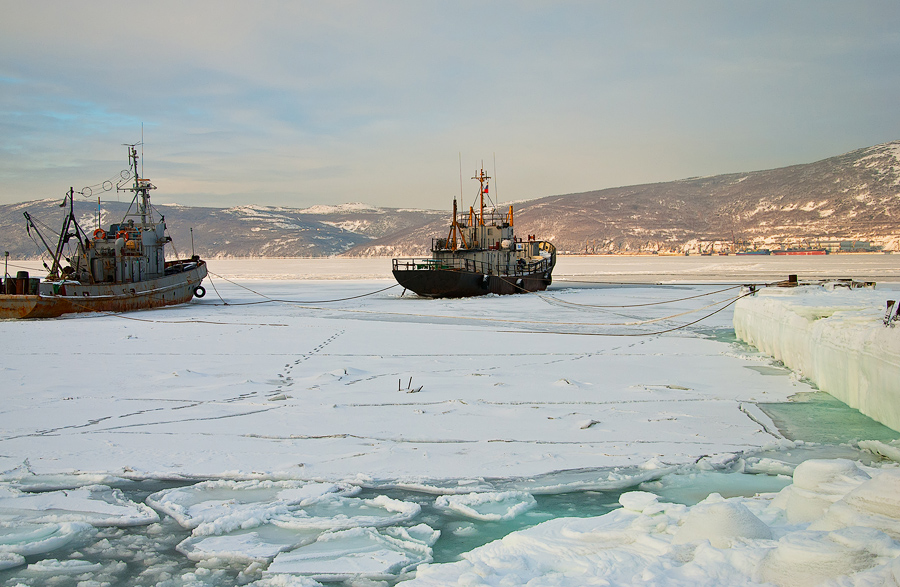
(485, 189)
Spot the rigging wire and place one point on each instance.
(14, 266)
(305, 305)
(268, 299)
(750, 293)
(557, 300)
(495, 319)
(105, 185)
(650, 321)
(644, 283)
(212, 283)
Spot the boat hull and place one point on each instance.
(449, 283)
(71, 297)
(801, 252)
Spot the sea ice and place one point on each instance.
(734, 541)
(488, 406)
(497, 506)
(286, 581)
(53, 567)
(259, 530)
(261, 543)
(291, 391)
(27, 481)
(97, 505)
(9, 560)
(818, 484)
(224, 505)
(887, 450)
(23, 538)
(836, 338)
(592, 480)
(720, 523)
(334, 512)
(353, 554)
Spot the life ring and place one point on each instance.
(100, 234)
(122, 234)
(199, 291)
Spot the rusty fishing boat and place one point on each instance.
(117, 269)
(480, 255)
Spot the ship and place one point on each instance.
(800, 251)
(117, 269)
(480, 255)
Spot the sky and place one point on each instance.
(397, 103)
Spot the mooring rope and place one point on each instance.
(750, 293)
(553, 298)
(269, 299)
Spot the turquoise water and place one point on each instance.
(818, 417)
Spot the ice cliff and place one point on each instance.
(835, 337)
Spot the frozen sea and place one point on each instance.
(307, 422)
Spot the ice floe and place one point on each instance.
(334, 512)
(25, 480)
(231, 504)
(838, 522)
(257, 539)
(97, 505)
(256, 521)
(261, 543)
(23, 538)
(9, 560)
(353, 554)
(497, 506)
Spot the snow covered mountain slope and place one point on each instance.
(855, 196)
(242, 231)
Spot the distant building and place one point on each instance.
(849, 246)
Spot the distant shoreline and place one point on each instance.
(664, 269)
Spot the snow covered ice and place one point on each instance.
(454, 418)
(786, 538)
(220, 504)
(833, 336)
(502, 505)
(325, 390)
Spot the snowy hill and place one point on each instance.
(242, 231)
(854, 196)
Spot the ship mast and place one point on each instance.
(141, 187)
(482, 190)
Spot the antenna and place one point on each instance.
(142, 149)
(460, 177)
(496, 192)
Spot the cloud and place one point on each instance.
(300, 103)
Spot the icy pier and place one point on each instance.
(835, 337)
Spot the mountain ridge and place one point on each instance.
(854, 196)
(849, 197)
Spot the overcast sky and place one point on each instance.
(303, 103)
